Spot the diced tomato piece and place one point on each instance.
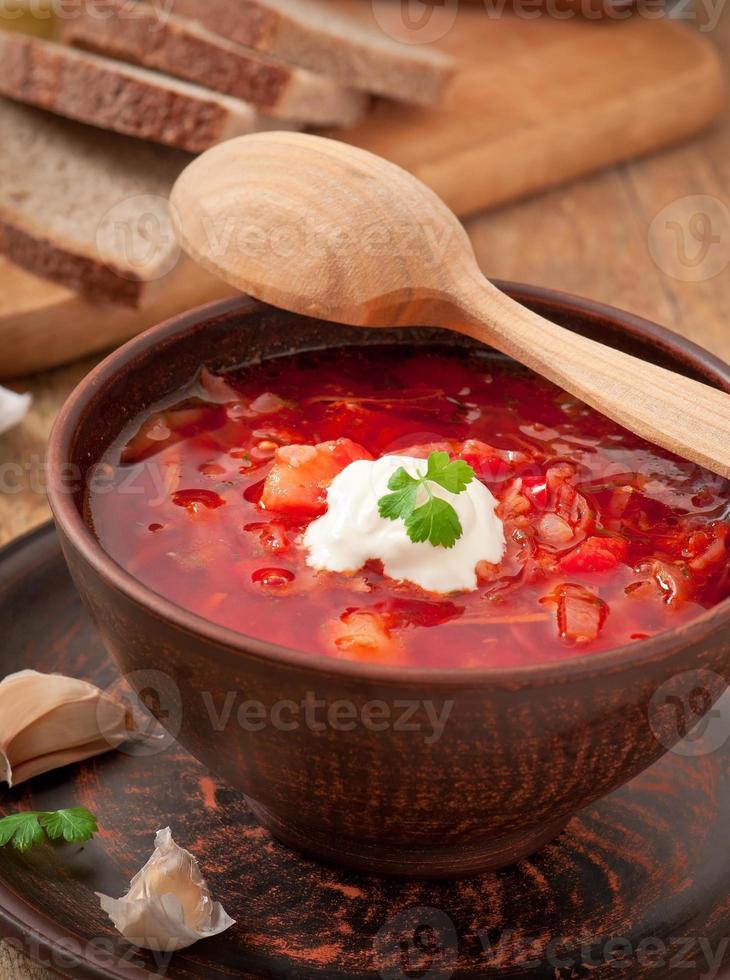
(596, 554)
(361, 634)
(297, 482)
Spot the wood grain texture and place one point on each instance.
(650, 862)
(44, 323)
(538, 101)
(14, 965)
(588, 94)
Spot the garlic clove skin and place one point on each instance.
(168, 906)
(48, 721)
(13, 408)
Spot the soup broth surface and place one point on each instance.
(609, 539)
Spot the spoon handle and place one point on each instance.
(684, 416)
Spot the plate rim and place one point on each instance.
(20, 921)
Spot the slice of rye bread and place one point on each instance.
(123, 98)
(148, 35)
(314, 35)
(85, 207)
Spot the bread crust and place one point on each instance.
(184, 48)
(84, 207)
(318, 38)
(104, 93)
(83, 274)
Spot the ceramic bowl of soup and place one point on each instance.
(434, 711)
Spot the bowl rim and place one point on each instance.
(71, 522)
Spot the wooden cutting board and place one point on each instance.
(535, 102)
(540, 101)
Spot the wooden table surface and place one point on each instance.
(652, 237)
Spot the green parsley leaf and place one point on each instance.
(402, 479)
(8, 826)
(76, 825)
(454, 477)
(395, 505)
(436, 520)
(27, 834)
(403, 501)
(24, 830)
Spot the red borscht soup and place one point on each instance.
(608, 539)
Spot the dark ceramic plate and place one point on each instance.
(640, 878)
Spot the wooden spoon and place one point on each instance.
(327, 230)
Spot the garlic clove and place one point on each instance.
(48, 721)
(13, 408)
(168, 905)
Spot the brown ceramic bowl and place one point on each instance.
(522, 750)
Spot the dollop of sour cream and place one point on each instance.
(352, 531)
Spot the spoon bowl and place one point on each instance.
(320, 228)
(327, 230)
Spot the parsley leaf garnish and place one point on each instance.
(403, 501)
(75, 826)
(455, 476)
(436, 520)
(23, 830)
